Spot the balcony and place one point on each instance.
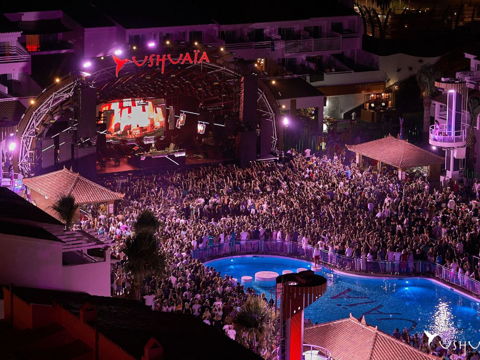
(13, 54)
(471, 78)
(441, 136)
(333, 42)
(52, 47)
(330, 43)
(249, 45)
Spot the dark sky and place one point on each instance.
(180, 12)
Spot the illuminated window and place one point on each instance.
(33, 42)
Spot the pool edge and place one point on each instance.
(312, 264)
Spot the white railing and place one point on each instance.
(468, 75)
(13, 53)
(315, 352)
(442, 134)
(333, 260)
(453, 277)
(249, 45)
(313, 45)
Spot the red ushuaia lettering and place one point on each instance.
(161, 60)
(139, 64)
(186, 58)
(173, 61)
(204, 57)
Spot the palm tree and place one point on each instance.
(66, 207)
(146, 222)
(255, 323)
(384, 5)
(144, 258)
(426, 76)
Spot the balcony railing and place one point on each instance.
(313, 45)
(333, 260)
(13, 53)
(249, 45)
(333, 42)
(441, 135)
(315, 352)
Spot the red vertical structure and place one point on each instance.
(296, 292)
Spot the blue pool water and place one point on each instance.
(412, 303)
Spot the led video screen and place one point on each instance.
(134, 118)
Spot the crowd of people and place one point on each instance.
(436, 346)
(321, 201)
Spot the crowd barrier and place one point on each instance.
(348, 264)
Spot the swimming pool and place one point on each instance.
(413, 303)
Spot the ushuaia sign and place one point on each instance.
(162, 59)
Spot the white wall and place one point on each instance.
(30, 262)
(390, 64)
(91, 278)
(38, 263)
(338, 105)
(347, 78)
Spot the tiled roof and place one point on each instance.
(351, 339)
(398, 153)
(65, 182)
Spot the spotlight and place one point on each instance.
(134, 47)
(201, 128)
(87, 64)
(222, 49)
(273, 82)
(195, 43)
(286, 121)
(284, 106)
(167, 42)
(102, 57)
(32, 101)
(118, 52)
(434, 147)
(151, 44)
(12, 146)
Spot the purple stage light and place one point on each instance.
(118, 52)
(151, 44)
(87, 64)
(286, 121)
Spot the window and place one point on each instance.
(337, 27)
(256, 35)
(134, 39)
(33, 43)
(286, 33)
(196, 36)
(314, 31)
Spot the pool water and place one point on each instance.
(412, 303)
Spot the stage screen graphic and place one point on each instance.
(134, 118)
